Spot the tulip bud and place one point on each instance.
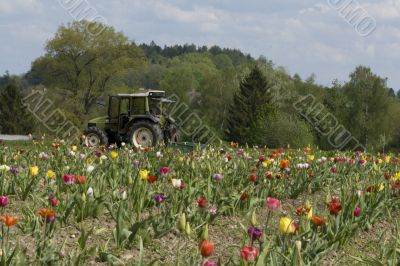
(188, 230)
(328, 199)
(262, 238)
(83, 197)
(253, 220)
(204, 234)
(123, 195)
(182, 222)
(298, 246)
(307, 204)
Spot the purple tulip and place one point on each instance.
(14, 170)
(135, 163)
(254, 233)
(218, 177)
(159, 198)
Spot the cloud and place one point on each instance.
(19, 6)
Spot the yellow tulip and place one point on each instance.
(34, 170)
(74, 148)
(397, 176)
(180, 158)
(286, 225)
(387, 159)
(311, 157)
(381, 187)
(114, 154)
(143, 174)
(50, 174)
(266, 163)
(379, 161)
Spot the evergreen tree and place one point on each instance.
(254, 95)
(14, 118)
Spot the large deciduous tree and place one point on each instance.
(368, 106)
(83, 65)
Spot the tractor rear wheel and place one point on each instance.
(145, 134)
(95, 137)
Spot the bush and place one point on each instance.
(280, 129)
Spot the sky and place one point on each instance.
(328, 38)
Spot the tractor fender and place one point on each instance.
(138, 118)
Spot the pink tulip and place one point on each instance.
(357, 211)
(210, 263)
(273, 203)
(69, 179)
(164, 170)
(3, 201)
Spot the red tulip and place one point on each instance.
(201, 202)
(151, 179)
(206, 248)
(334, 170)
(244, 196)
(334, 208)
(53, 200)
(253, 177)
(249, 254)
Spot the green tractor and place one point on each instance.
(138, 119)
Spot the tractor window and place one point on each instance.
(125, 106)
(138, 106)
(155, 106)
(113, 107)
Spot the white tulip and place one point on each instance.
(90, 192)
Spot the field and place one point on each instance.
(72, 205)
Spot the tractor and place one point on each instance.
(137, 118)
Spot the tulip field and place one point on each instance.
(72, 205)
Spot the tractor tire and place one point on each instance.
(145, 134)
(95, 137)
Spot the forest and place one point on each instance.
(252, 101)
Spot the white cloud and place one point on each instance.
(18, 6)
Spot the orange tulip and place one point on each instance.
(284, 164)
(318, 221)
(80, 179)
(47, 213)
(9, 220)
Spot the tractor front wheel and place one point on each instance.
(145, 134)
(95, 137)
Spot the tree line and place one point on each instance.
(241, 98)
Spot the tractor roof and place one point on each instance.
(144, 93)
